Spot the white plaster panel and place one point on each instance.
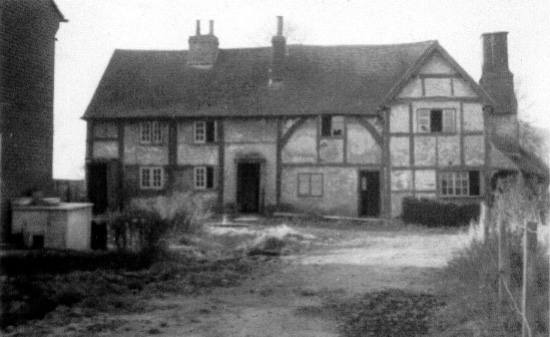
(105, 149)
(462, 89)
(302, 145)
(401, 180)
(473, 117)
(412, 89)
(449, 150)
(189, 154)
(424, 151)
(474, 150)
(141, 154)
(185, 133)
(268, 152)
(399, 118)
(437, 87)
(397, 202)
(399, 151)
(437, 65)
(361, 146)
(105, 130)
(250, 130)
(339, 190)
(331, 150)
(424, 180)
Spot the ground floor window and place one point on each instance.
(203, 177)
(310, 184)
(151, 178)
(459, 183)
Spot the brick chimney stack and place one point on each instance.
(496, 78)
(203, 49)
(278, 43)
(498, 81)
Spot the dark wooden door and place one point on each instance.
(369, 193)
(248, 187)
(97, 187)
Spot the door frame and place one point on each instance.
(252, 159)
(380, 191)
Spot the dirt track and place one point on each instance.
(286, 299)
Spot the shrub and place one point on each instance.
(433, 213)
(137, 230)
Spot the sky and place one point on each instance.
(97, 27)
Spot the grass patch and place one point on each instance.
(470, 283)
(387, 313)
(32, 296)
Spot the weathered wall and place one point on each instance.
(144, 154)
(361, 146)
(302, 145)
(190, 153)
(339, 190)
(241, 141)
(427, 152)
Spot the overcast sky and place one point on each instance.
(97, 27)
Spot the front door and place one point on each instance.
(248, 187)
(97, 187)
(369, 193)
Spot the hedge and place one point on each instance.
(433, 213)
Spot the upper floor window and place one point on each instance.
(203, 177)
(150, 132)
(436, 120)
(463, 183)
(332, 126)
(151, 178)
(205, 132)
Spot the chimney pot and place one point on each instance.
(198, 28)
(279, 26)
(211, 32)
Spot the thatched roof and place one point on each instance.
(525, 161)
(317, 80)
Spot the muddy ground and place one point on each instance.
(284, 296)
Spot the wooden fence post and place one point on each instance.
(529, 293)
(503, 261)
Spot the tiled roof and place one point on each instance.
(524, 160)
(317, 79)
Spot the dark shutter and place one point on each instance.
(474, 182)
(326, 126)
(436, 120)
(210, 132)
(209, 177)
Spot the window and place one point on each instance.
(464, 183)
(151, 178)
(205, 132)
(332, 126)
(204, 177)
(436, 120)
(310, 184)
(151, 132)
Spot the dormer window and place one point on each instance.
(332, 126)
(205, 132)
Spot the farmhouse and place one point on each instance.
(347, 130)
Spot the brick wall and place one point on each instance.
(27, 42)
